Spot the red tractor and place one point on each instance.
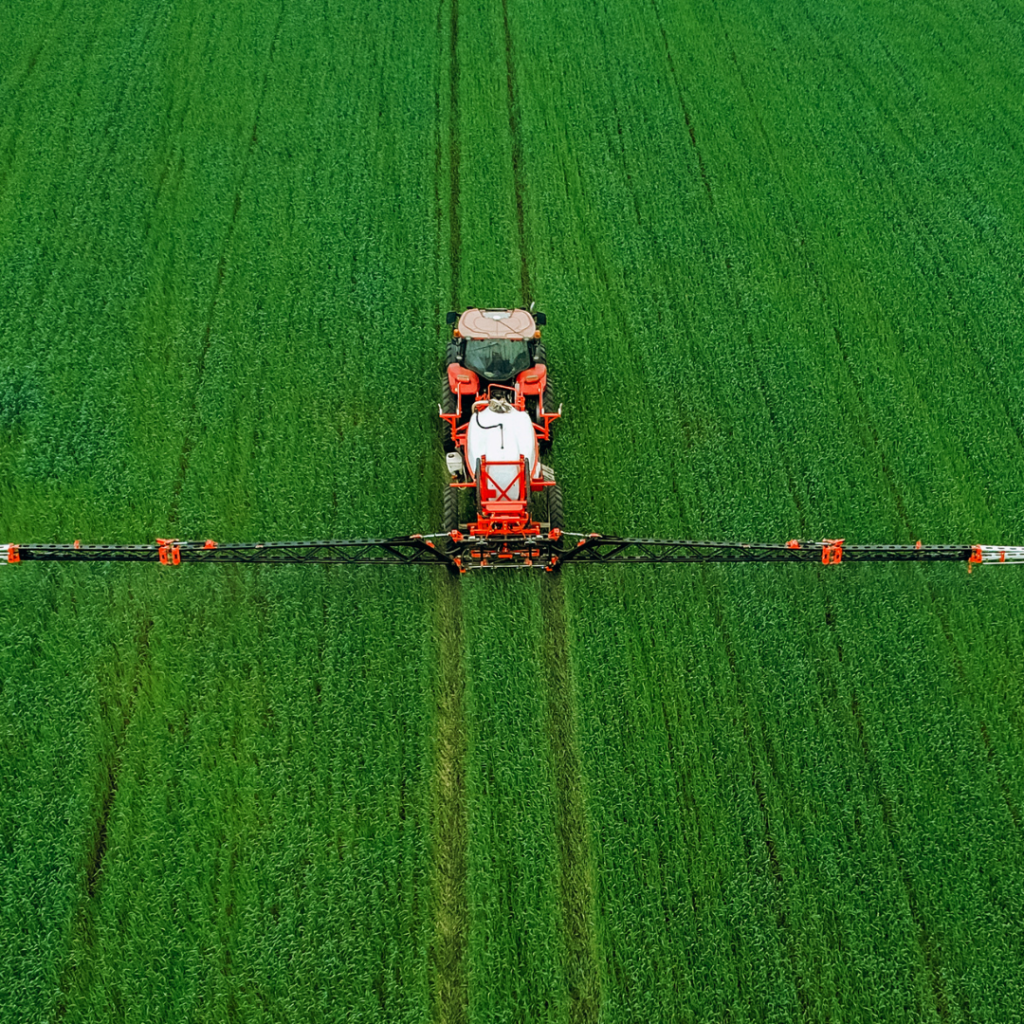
(497, 409)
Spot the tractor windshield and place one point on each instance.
(497, 358)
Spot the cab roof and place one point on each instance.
(497, 323)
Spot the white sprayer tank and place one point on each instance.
(501, 433)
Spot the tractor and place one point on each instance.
(497, 411)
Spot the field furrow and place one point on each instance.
(449, 984)
(578, 959)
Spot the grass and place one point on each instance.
(778, 248)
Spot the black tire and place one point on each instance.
(550, 404)
(533, 408)
(556, 515)
(452, 353)
(540, 353)
(449, 406)
(451, 509)
(539, 504)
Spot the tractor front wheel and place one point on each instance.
(548, 404)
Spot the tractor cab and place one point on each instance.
(496, 359)
(496, 344)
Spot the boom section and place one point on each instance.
(413, 550)
(595, 548)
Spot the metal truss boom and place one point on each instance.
(594, 548)
(413, 550)
(461, 554)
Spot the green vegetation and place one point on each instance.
(513, 894)
(779, 248)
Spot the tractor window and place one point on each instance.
(497, 359)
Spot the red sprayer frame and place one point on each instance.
(519, 393)
(503, 510)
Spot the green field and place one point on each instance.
(780, 249)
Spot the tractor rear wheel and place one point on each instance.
(451, 510)
(556, 517)
(449, 406)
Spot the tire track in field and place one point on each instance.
(9, 96)
(449, 982)
(173, 137)
(189, 441)
(575, 882)
(454, 227)
(517, 158)
(576, 873)
(685, 107)
(17, 83)
(449, 979)
(98, 847)
(93, 164)
(119, 719)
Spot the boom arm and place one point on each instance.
(460, 554)
(593, 547)
(414, 550)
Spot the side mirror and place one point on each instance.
(541, 319)
(451, 318)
